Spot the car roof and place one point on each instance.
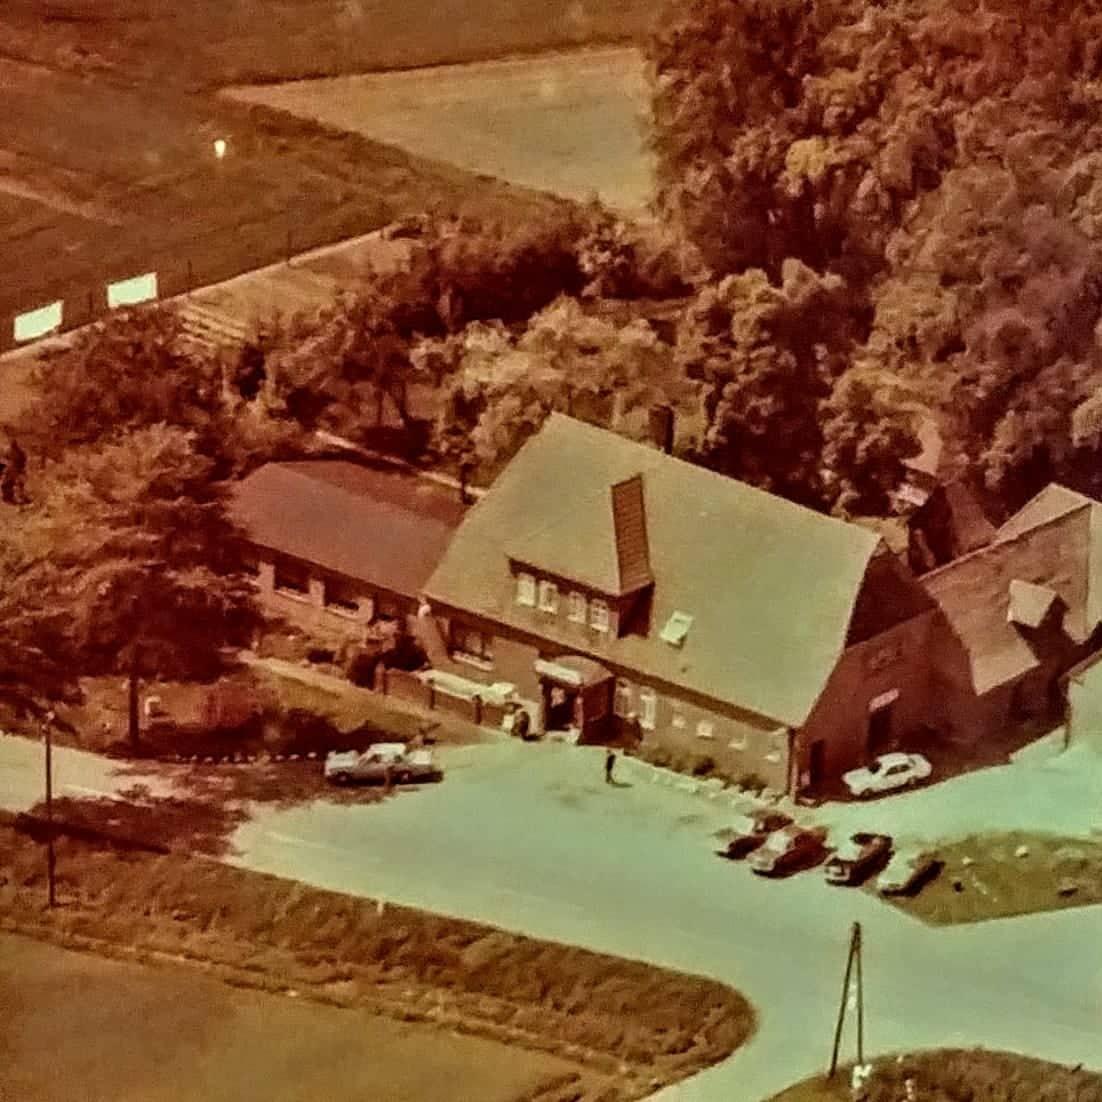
(895, 758)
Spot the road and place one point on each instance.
(529, 838)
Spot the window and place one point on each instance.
(705, 729)
(549, 597)
(598, 615)
(738, 742)
(526, 590)
(292, 580)
(470, 644)
(678, 718)
(578, 608)
(677, 627)
(341, 598)
(622, 702)
(648, 709)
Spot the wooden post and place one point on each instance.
(860, 994)
(133, 716)
(854, 951)
(51, 856)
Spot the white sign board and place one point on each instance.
(37, 323)
(883, 700)
(129, 292)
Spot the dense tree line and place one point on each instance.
(939, 159)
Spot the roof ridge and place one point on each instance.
(659, 457)
(1001, 540)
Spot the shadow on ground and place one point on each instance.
(141, 818)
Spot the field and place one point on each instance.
(113, 182)
(79, 1025)
(624, 1026)
(106, 157)
(571, 124)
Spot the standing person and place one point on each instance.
(610, 764)
(521, 724)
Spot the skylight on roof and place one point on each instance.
(677, 627)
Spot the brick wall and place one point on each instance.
(896, 661)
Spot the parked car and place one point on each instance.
(888, 773)
(856, 859)
(372, 766)
(907, 871)
(788, 849)
(750, 830)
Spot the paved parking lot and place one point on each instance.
(530, 838)
(1059, 794)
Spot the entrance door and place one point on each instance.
(880, 730)
(816, 765)
(560, 706)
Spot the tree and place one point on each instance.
(767, 357)
(944, 161)
(868, 431)
(566, 360)
(136, 369)
(130, 371)
(134, 559)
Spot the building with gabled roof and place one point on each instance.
(1020, 611)
(335, 545)
(729, 623)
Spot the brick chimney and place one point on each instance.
(629, 519)
(662, 427)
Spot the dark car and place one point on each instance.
(858, 858)
(750, 830)
(789, 849)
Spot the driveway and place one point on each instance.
(530, 838)
(1057, 794)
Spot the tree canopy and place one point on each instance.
(124, 561)
(500, 387)
(940, 157)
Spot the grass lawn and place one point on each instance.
(983, 878)
(82, 1026)
(627, 1025)
(958, 1075)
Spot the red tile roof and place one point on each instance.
(386, 527)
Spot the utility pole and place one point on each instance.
(854, 973)
(51, 859)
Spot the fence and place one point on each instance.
(170, 278)
(417, 690)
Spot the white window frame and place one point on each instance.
(738, 742)
(677, 718)
(526, 590)
(548, 596)
(484, 659)
(648, 709)
(705, 729)
(622, 698)
(578, 608)
(599, 615)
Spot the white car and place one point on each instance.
(375, 764)
(907, 870)
(888, 773)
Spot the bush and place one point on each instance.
(704, 766)
(751, 782)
